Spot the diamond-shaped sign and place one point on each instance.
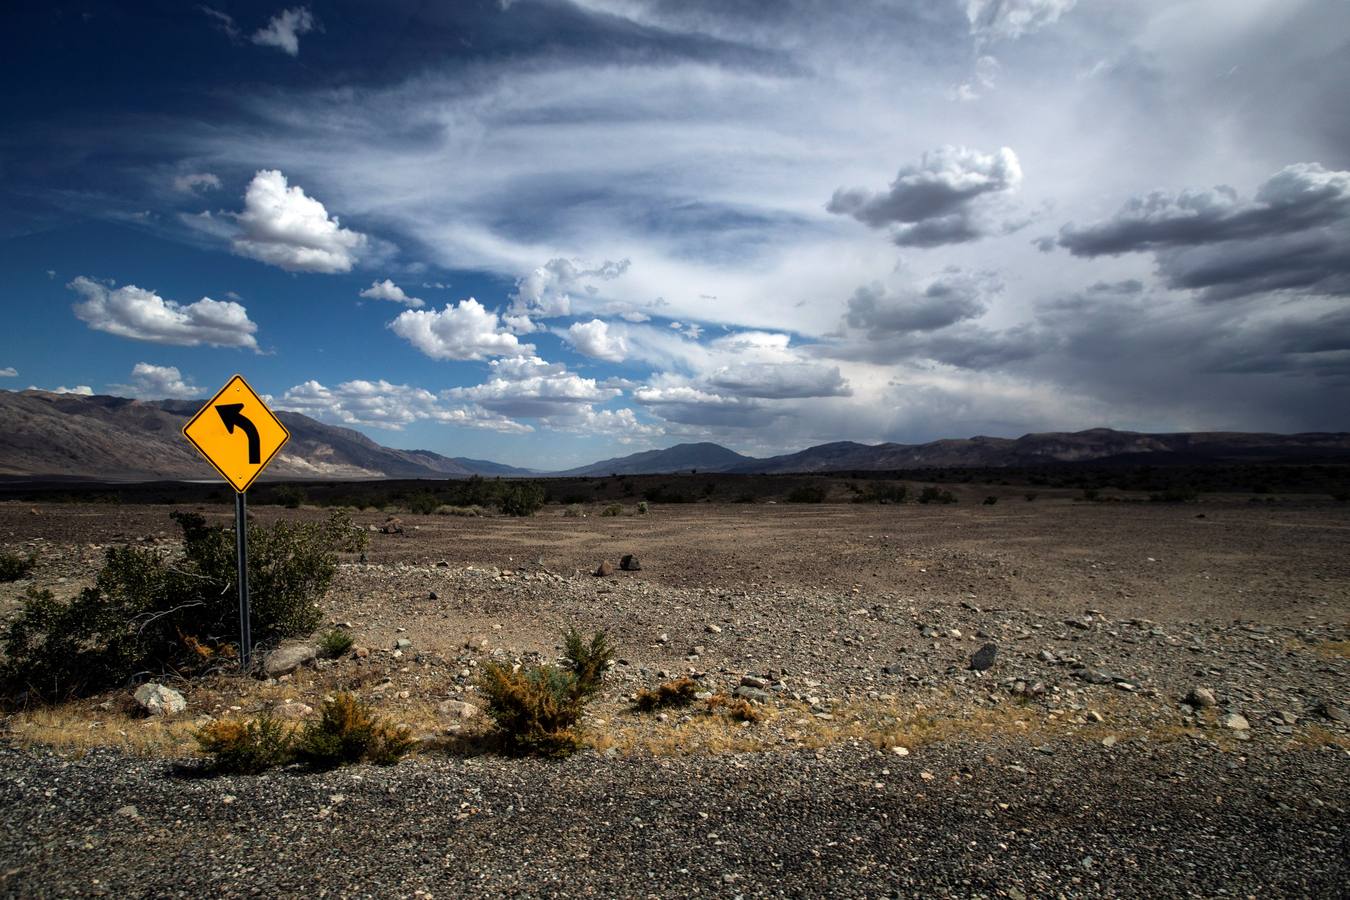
(237, 433)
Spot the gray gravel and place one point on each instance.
(1179, 819)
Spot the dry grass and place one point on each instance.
(76, 727)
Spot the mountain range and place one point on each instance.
(46, 435)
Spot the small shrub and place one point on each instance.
(614, 509)
(1176, 494)
(876, 492)
(521, 499)
(588, 660)
(536, 708)
(246, 748)
(468, 512)
(1030, 496)
(643, 508)
(289, 496)
(990, 500)
(679, 692)
(13, 566)
(335, 643)
(934, 494)
(422, 504)
(1091, 495)
(807, 493)
(737, 708)
(574, 511)
(348, 732)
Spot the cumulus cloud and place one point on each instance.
(689, 405)
(939, 200)
(193, 182)
(532, 388)
(151, 382)
(382, 404)
(1009, 19)
(594, 339)
(465, 330)
(780, 381)
(387, 290)
(547, 291)
(9, 372)
(143, 315)
(950, 298)
(1292, 234)
(284, 30)
(82, 390)
(284, 227)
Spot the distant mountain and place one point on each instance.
(488, 467)
(704, 457)
(116, 439)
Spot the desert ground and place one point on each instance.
(1081, 763)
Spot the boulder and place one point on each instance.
(1200, 697)
(630, 563)
(984, 657)
(457, 709)
(605, 569)
(1235, 721)
(158, 700)
(289, 657)
(754, 694)
(392, 525)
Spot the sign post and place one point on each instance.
(239, 440)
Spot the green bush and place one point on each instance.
(934, 494)
(148, 612)
(466, 512)
(879, 492)
(13, 566)
(289, 496)
(643, 508)
(335, 643)
(523, 498)
(246, 748)
(613, 510)
(536, 708)
(990, 500)
(807, 493)
(680, 692)
(346, 732)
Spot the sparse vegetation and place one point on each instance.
(467, 512)
(346, 732)
(990, 500)
(149, 612)
(882, 492)
(521, 498)
(736, 708)
(934, 494)
(335, 643)
(643, 508)
(289, 496)
(808, 493)
(614, 509)
(574, 511)
(246, 748)
(679, 692)
(1030, 496)
(13, 566)
(536, 708)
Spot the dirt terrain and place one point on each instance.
(883, 764)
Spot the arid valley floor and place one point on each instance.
(883, 765)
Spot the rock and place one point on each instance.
(1200, 697)
(1335, 714)
(630, 563)
(752, 681)
(433, 596)
(130, 812)
(893, 669)
(663, 638)
(1109, 741)
(605, 569)
(1094, 716)
(1235, 721)
(1047, 656)
(392, 525)
(402, 644)
(754, 694)
(900, 751)
(289, 657)
(1081, 624)
(457, 709)
(291, 710)
(984, 657)
(158, 700)
(713, 629)
(360, 652)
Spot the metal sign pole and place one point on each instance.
(241, 551)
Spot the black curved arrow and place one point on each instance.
(232, 414)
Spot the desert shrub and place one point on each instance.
(467, 512)
(289, 496)
(13, 566)
(990, 500)
(807, 493)
(346, 732)
(335, 643)
(574, 511)
(1091, 495)
(246, 748)
(521, 498)
(614, 509)
(422, 503)
(536, 708)
(588, 660)
(737, 708)
(643, 508)
(1030, 496)
(1175, 494)
(934, 494)
(880, 492)
(679, 692)
(148, 612)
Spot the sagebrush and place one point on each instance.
(680, 692)
(346, 732)
(246, 748)
(13, 566)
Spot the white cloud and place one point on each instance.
(284, 227)
(143, 315)
(1009, 19)
(193, 182)
(594, 339)
(9, 372)
(284, 30)
(387, 290)
(465, 330)
(547, 291)
(82, 390)
(382, 404)
(151, 382)
(532, 388)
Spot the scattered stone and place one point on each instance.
(1109, 741)
(129, 811)
(893, 669)
(984, 657)
(457, 709)
(392, 525)
(158, 700)
(360, 652)
(900, 751)
(754, 694)
(1335, 714)
(604, 570)
(712, 629)
(291, 710)
(1094, 716)
(630, 563)
(1235, 721)
(1094, 676)
(1046, 656)
(752, 681)
(402, 644)
(289, 657)
(433, 596)
(1201, 697)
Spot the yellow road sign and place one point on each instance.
(237, 433)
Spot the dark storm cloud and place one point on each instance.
(780, 381)
(936, 201)
(944, 302)
(1317, 262)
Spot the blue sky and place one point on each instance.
(547, 232)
